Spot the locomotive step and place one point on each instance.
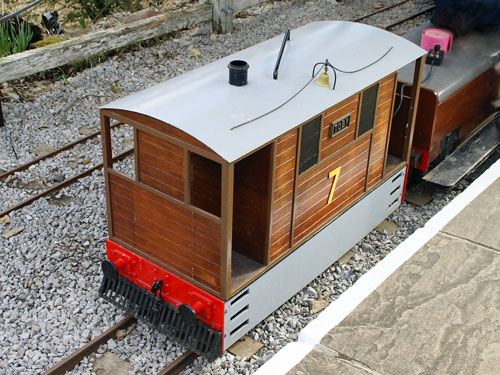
(467, 156)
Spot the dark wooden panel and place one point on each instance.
(149, 200)
(205, 180)
(161, 153)
(145, 178)
(251, 204)
(168, 233)
(165, 166)
(206, 233)
(161, 145)
(213, 225)
(424, 123)
(154, 245)
(160, 165)
(163, 172)
(177, 236)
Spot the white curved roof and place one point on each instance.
(203, 104)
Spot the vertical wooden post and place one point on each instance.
(412, 111)
(107, 162)
(226, 227)
(388, 138)
(136, 153)
(220, 13)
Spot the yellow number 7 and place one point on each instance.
(335, 175)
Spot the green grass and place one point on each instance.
(5, 44)
(21, 38)
(12, 40)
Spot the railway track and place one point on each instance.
(413, 15)
(74, 359)
(67, 182)
(180, 364)
(68, 363)
(53, 189)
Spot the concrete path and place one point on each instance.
(432, 306)
(437, 314)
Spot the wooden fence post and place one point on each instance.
(223, 11)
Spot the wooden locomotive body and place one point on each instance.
(455, 100)
(242, 196)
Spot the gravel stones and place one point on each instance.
(50, 272)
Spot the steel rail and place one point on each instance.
(180, 364)
(72, 360)
(62, 185)
(378, 11)
(66, 147)
(390, 26)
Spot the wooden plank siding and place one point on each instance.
(380, 131)
(284, 178)
(161, 165)
(178, 239)
(312, 210)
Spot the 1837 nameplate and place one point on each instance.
(339, 125)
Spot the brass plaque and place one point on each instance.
(340, 125)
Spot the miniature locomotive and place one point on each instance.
(243, 193)
(457, 99)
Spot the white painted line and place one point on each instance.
(312, 334)
(285, 359)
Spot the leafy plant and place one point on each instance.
(21, 38)
(81, 21)
(5, 44)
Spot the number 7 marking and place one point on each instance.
(335, 175)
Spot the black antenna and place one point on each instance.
(286, 38)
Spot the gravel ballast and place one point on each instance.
(50, 271)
